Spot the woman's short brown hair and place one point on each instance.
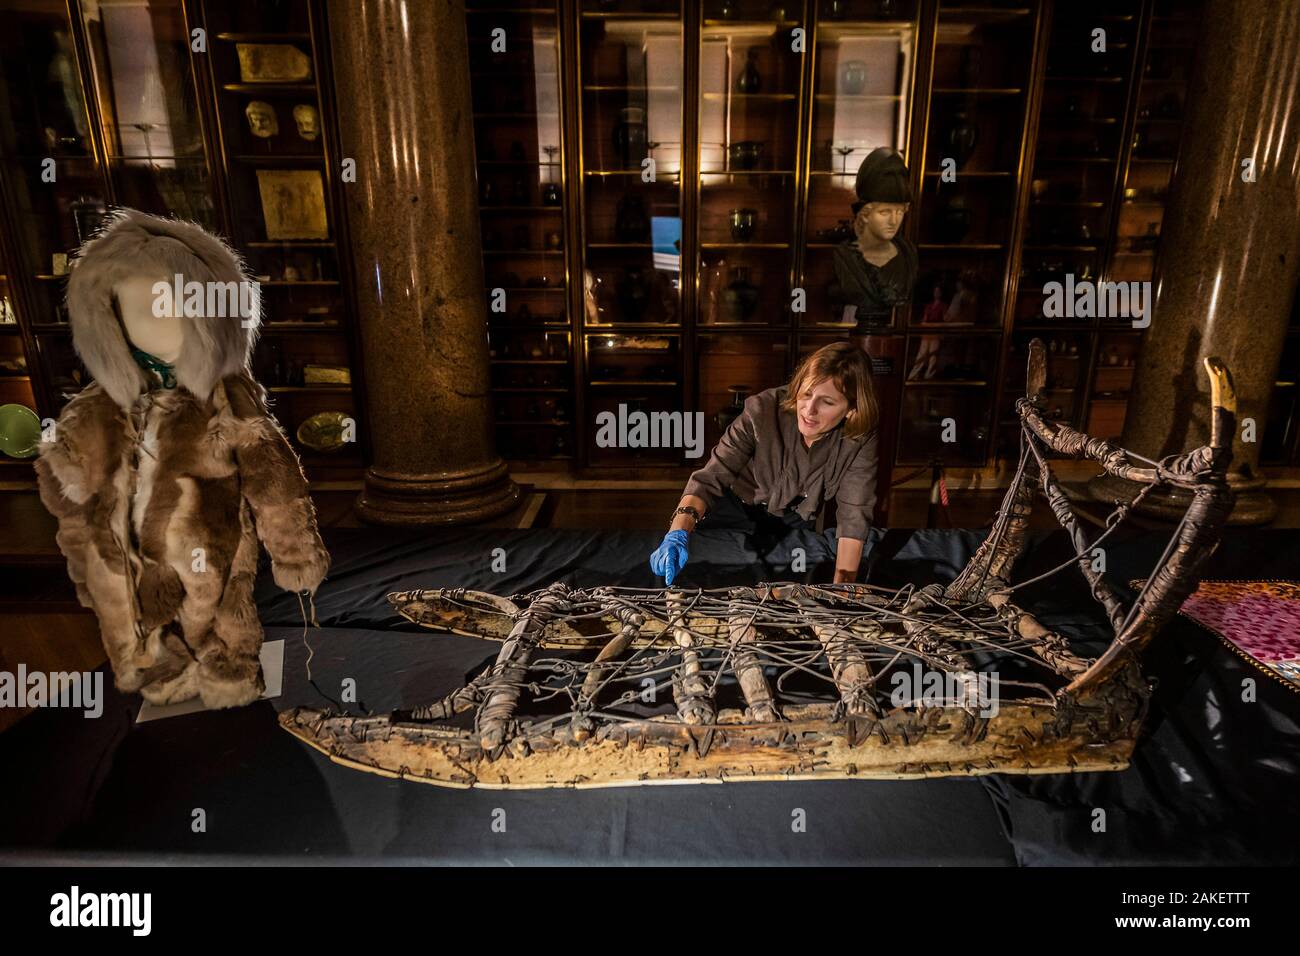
(849, 369)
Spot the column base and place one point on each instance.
(451, 498)
(1253, 504)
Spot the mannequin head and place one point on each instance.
(152, 323)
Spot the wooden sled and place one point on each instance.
(619, 686)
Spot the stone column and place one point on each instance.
(401, 75)
(1230, 250)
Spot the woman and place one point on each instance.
(793, 447)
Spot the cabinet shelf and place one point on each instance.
(269, 88)
(304, 327)
(1084, 80)
(516, 162)
(305, 389)
(744, 245)
(265, 37)
(634, 172)
(513, 209)
(752, 97)
(523, 252)
(975, 174)
(305, 283)
(1060, 247)
(616, 88)
(631, 383)
(278, 160)
(960, 246)
(978, 91)
(511, 115)
(858, 97)
(291, 244)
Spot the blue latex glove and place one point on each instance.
(670, 557)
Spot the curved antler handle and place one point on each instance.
(1223, 404)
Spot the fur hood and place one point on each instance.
(134, 243)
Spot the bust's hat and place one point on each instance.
(882, 177)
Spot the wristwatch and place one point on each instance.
(685, 510)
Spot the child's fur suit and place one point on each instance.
(142, 477)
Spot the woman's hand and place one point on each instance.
(671, 556)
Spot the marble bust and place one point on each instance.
(876, 269)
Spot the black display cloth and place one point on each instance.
(1212, 781)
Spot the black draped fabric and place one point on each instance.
(1212, 781)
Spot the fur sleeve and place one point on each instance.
(276, 489)
(68, 475)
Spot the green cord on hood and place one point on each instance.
(151, 363)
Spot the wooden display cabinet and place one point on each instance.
(134, 111)
(714, 146)
(275, 128)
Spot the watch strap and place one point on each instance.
(686, 510)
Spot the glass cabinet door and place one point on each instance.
(631, 122)
(750, 79)
(148, 108)
(1162, 79)
(632, 77)
(1071, 210)
(519, 142)
(980, 85)
(45, 138)
(862, 85)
